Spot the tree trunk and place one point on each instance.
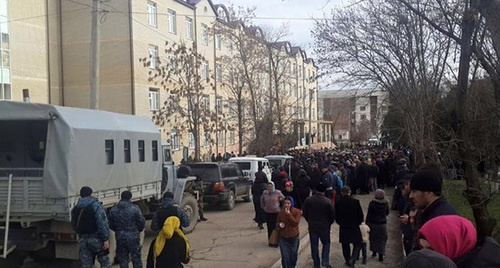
(490, 10)
(475, 197)
(240, 130)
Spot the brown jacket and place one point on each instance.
(291, 221)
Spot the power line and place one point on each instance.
(39, 16)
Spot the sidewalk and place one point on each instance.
(394, 252)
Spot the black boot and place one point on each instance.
(374, 254)
(260, 226)
(380, 258)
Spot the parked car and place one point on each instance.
(249, 165)
(223, 183)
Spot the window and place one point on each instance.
(154, 100)
(126, 151)
(218, 72)
(5, 92)
(174, 137)
(206, 102)
(153, 56)
(232, 108)
(231, 137)
(220, 138)
(172, 21)
(189, 28)
(219, 106)
(230, 46)
(140, 149)
(152, 13)
(204, 34)
(340, 137)
(363, 117)
(207, 139)
(191, 140)
(362, 108)
(204, 70)
(110, 152)
(313, 113)
(5, 86)
(217, 42)
(154, 150)
(305, 113)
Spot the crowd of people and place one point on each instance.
(319, 186)
(322, 184)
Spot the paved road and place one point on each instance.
(232, 239)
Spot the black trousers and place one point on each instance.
(271, 223)
(346, 251)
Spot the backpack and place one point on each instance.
(83, 220)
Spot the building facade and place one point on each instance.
(355, 115)
(45, 47)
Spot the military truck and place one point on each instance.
(47, 153)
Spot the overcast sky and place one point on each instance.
(296, 13)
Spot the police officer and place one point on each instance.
(127, 221)
(168, 208)
(89, 221)
(198, 187)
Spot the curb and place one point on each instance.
(303, 243)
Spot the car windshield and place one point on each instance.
(243, 165)
(275, 163)
(208, 173)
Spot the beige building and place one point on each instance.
(45, 47)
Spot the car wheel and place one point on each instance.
(248, 196)
(231, 200)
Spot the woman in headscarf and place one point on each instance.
(258, 187)
(288, 225)
(170, 248)
(270, 203)
(376, 219)
(291, 190)
(455, 237)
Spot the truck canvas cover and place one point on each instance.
(75, 154)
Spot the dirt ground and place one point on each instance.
(394, 251)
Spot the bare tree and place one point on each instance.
(381, 43)
(184, 75)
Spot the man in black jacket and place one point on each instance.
(426, 186)
(349, 217)
(320, 215)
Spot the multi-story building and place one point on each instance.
(45, 47)
(355, 115)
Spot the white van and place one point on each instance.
(279, 160)
(249, 165)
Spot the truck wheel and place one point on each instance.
(248, 196)
(231, 200)
(190, 205)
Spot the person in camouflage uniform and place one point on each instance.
(198, 186)
(89, 221)
(127, 221)
(168, 208)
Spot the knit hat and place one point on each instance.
(288, 183)
(427, 258)
(379, 194)
(282, 174)
(85, 191)
(126, 195)
(427, 181)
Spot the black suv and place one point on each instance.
(223, 183)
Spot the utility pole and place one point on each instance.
(94, 56)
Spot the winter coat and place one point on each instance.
(349, 216)
(377, 212)
(126, 219)
(291, 222)
(487, 255)
(439, 207)
(270, 201)
(102, 230)
(319, 213)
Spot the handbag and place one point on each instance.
(273, 240)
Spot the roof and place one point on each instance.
(275, 157)
(247, 158)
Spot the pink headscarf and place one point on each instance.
(450, 235)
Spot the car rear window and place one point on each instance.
(243, 165)
(207, 173)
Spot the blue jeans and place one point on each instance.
(289, 248)
(325, 252)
